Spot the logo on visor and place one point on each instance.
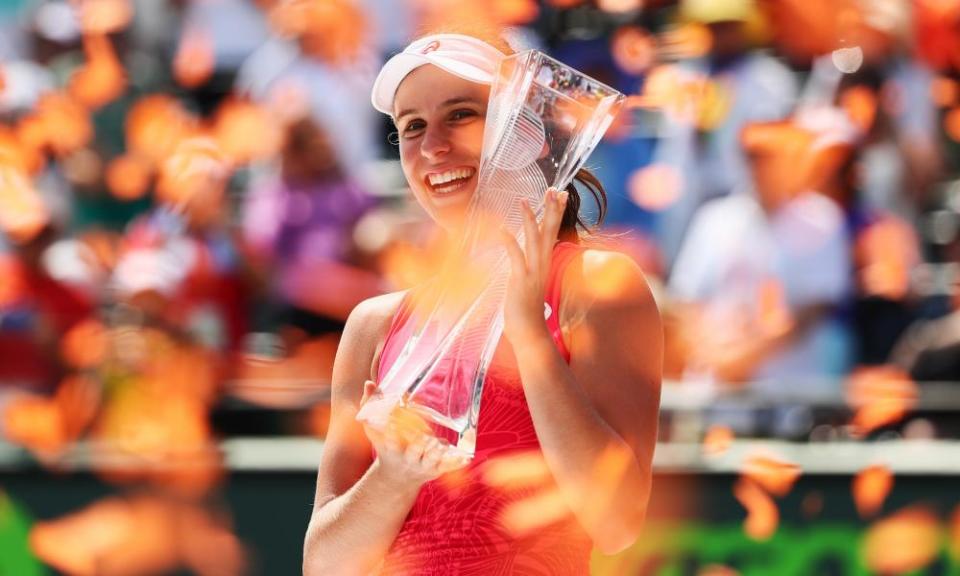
(431, 47)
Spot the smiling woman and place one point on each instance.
(583, 416)
(441, 136)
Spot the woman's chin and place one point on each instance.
(452, 206)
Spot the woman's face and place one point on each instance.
(440, 120)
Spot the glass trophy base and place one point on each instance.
(412, 420)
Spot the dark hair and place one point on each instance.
(571, 215)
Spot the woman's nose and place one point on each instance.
(435, 143)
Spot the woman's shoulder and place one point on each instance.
(372, 317)
(363, 337)
(605, 274)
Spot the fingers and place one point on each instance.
(518, 263)
(556, 202)
(432, 454)
(451, 461)
(369, 389)
(414, 452)
(531, 241)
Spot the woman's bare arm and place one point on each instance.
(357, 512)
(596, 419)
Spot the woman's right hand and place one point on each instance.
(407, 452)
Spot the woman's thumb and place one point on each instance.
(369, 388)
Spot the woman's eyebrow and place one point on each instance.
(444, 104)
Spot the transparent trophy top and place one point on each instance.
(543, 120)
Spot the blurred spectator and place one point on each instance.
(299, 225)
(215, 38)
(319, 62)
(12, 33)
(930, 350)
(37, 310)
(181, 262)
(702, 144)
(763, 274)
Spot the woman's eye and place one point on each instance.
(413, 127)
(462, 114)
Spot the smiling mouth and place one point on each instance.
(450, 182)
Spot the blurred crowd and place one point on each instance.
(195, 193)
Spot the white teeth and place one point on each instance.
(444, 177)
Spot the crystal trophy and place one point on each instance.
(543, 120)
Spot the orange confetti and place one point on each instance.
(156, 125)
(194, 62)
(717, 440)
(774, 315)
(66, 125)
(35, 423)
(880, 396)
(102, 79)
(105, 16)
(687, 41)
(662, 88)
(613, 279)
(515, 12)
(149, 433)
(951, 123)
(762, 514)
(12, 287)
(31, 135)
(516, 471)
(860, 104)
(78, 399)
(904, 542)
(655, 187)
(633, 49)
(288, 382)
(246, 132)
(886, 253)
(20, 156)
(22, 212)
(944, 91)
(619, 6)
(332, 31)
(45, 426)
(194, 175)
(773, 474)
(84, 345)
(870, 488)
(138, 535)
(128, 177)
(534, 513)
(940, 9)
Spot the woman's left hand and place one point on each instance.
(524, 318)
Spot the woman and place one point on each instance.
(579, 390)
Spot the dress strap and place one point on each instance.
(563, 253)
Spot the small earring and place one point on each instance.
(394, 138)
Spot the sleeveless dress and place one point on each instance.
(455, 526)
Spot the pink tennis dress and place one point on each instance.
(456, 525)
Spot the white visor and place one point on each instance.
(463, 56)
